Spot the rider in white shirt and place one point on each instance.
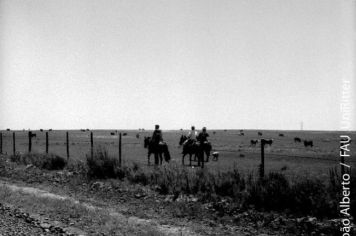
(192, 136)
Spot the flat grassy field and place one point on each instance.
(284, 155)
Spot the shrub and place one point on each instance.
(101, 165)
(270, 193)
(43, 161)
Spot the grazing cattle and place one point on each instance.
(253, 142)
(242, 134)
(124, 134)
(50, 130)
(7, 129)
(267, 141)
(297, 140)
(157, 150)
(308, 143)
(83, 130)
(33, 135)
(41, 130)
(137, 135)
(281, 135)
(112, 133)
(215, 156)
(259, 133)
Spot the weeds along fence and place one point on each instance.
(79, 144)
(54, 142)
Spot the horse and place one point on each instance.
(259, 133)
(157, 150)
(195, 148)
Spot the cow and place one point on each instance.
(297, 140)
(259, 133)
(137, 136)
(112, 133)
(281, 135)
(241, 133)
(124, 134)
(253, 142)
(267, 141)
(308, 143)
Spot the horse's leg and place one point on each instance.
(207, 155)
(190, 159)
(183, 159)
(160, 157)
(148, 157)
(156, 158)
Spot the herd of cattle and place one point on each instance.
(254, 142)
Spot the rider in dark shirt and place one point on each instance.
(157, 135)
(203, 136)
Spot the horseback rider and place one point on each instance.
(157, 136)
(203, 136)
(192, 136)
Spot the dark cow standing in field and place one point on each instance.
(156, 149)
(112, 133)
(281, 135)
(253, 142)
(259, 133)
(297, 140)
(268, 141)
(308, 143)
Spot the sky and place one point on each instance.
(129, 64)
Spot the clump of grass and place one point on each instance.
(43, 161)
(101, 165)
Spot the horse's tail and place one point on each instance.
(167, 155)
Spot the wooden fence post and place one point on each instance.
(0, 142)
(120, 150)
(91, 145)
(14, 143)
(262, 166)
(67, 141)
(47, 142)
(29, 141)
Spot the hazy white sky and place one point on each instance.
(215, 63)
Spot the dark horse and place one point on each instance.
(157, 150)
(195, 148)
